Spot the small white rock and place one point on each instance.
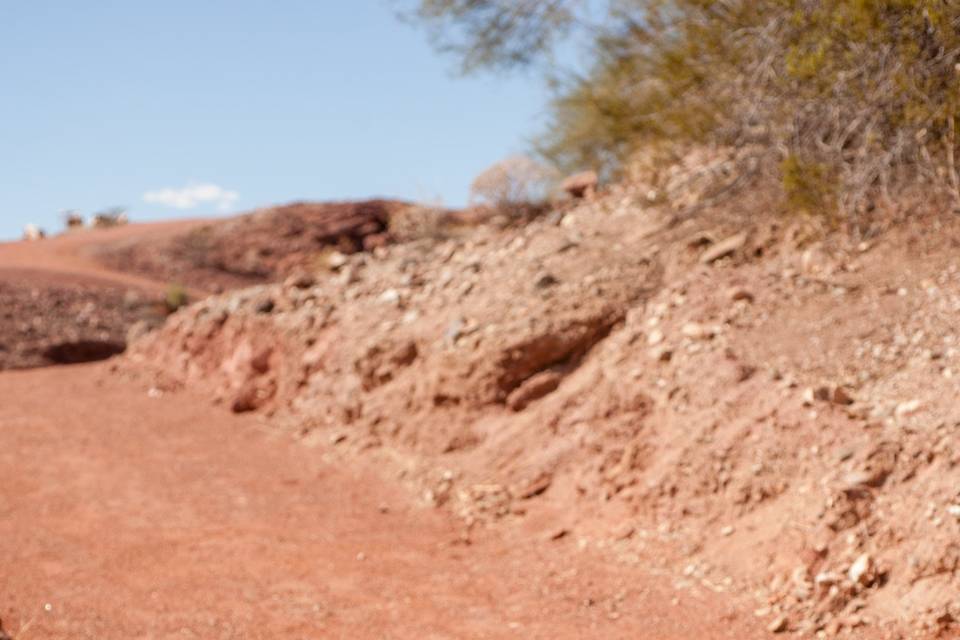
(779, 625)
(905, 409)
(390, 296)
(697, 331)
(826, 578)
(336, 260)
(860, 569)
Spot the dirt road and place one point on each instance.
(71, 255)
(129, 516)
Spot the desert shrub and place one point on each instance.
(514, 186)
(417, 222)
(111, 217)
(196, 247)
(809, 187)
(852, 100)
(176, 297)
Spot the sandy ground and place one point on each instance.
(131, 516)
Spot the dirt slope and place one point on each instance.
(132, 513)
(76, 254)
(764, 404)
(262, 246)
(76, 297)
(61, 305)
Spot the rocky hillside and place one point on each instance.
(255, 248)
(76, 297)
(758, 405)
(58, 320)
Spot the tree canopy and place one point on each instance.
(848, 98)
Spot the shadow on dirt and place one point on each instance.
(83, 351)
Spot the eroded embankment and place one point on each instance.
(773, 409)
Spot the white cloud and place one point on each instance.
(192, 196)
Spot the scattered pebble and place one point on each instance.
(779, 625)
(906, 409)
(859, 572)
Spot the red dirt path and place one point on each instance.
(141, 517)
(72, 254)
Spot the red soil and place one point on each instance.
(137, 516)
(259, 247)
(133, 512)
(60, 304)
(742, 400)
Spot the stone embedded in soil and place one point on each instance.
(390, 296)
(860, 571)
(841, 396)
(864, 478)
(826, 579)
(724, 248)
(534, 388)
(744, 372)
(336, 260)
(545, 281)
(661, 354)
(454, 331)
(265, 305)
(822, 394)
(300, 280)
(907, 409)
(779, 625)
(624, 531)
(246, 399)
(697, 331)
(536, 486)
(557, 534)
(835, 394)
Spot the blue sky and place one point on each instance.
(186, 108)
